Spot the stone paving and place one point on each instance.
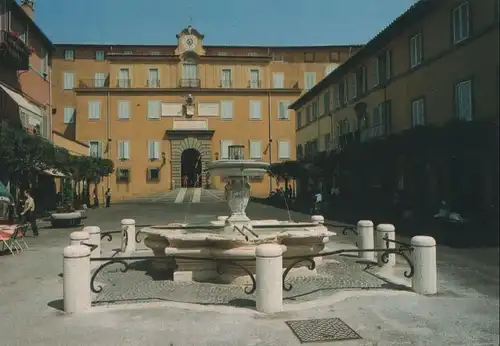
(465, 312)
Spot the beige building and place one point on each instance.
(162, 112)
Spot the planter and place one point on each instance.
(71, 219)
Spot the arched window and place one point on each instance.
(189, 69)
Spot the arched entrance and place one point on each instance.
(191, 168)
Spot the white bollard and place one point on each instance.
(76, 238)
(366, 239)
(424, 280)
(128, 235)
(382, 231)
(95, 239)
(76, 278)
(269, 267)
(318, 219)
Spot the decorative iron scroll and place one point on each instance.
(123, 232)
(124, 262)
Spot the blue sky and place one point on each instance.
(231, 22)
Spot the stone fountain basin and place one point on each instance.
(238, 168)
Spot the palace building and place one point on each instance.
(162, 112)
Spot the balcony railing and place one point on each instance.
(226, 83)
(373, 132)
(254, 84)
(189, 83)
(93, 83)
(153, 83)
(124, 83)
(13, 51)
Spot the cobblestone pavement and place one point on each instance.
(465, 312)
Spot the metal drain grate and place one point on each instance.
(321, 330)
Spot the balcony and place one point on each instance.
(254, 84)
(373, 132)
(124, 83)
(13, 51)
(93, 83)
(189, 83)
(153, 83)
(226, 84)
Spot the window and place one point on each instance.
(69, 80)
(345, 93)
(309, 80)
(69, 115)
(309, 56)
(123, 110)
(99, 55)
(154, 109)
(224, 148)
(416, 50)
(94, 110)
(283, 110)
(154, 78)
(99, 80)
(330, 68)
(255, 108)
(361, 81)
(154, 150)
(336, 93)
(315, 110)
(299, 120)
(124, 78)
(95, 149)
(354, 86)
(382, 68)
(44, 62)
(461, 22)
(278, 80)
(326, 102)
(153, 174)
(254, 79)
(255, 149)
(334, 56)
(418, 112)
(283, 150)
(190, 71)
(327, 141)
(226, 110)
(226, 80)
(221, 53)
(69, 54)
(154, 53)
(123, 175)
(128, 52)
(308, 114)
(463, 100)
(24, 36)
(123, 150)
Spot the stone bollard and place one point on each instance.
(76, 238)
(318, 219)
(76, 278)
(366, 239)
(95, 239)
(128, 240)
(382, 231)
(424, 280)
(269, 268)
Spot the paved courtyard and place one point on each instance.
(465, 312)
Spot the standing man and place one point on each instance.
(108, 197)
(29, 211)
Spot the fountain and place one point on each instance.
(232, 237)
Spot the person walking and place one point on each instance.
(29, 211)
(107, 195)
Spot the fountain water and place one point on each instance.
(235, 236)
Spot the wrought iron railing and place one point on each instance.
(190, 83)
(153, 83)
(124, 83)
(254, 84)
(226, 83)
(93, 83)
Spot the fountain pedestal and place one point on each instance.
(238, 195)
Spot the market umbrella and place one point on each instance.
(5, 195)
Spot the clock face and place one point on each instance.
(189, 42)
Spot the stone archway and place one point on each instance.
(179, 146)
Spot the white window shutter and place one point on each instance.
(255, 149)
(226, 110)
(157, 150)
(278, 80)
(255, 109)
(283, 150)
(224, 148)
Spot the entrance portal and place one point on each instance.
(191, 168)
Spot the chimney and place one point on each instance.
(29, 7)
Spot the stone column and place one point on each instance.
(366, 239)
(424, 280)
(95, 239)
(269, 268)
(128, 235)
(77, 238)
(383, 231)
(76, 278)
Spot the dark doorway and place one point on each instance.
(191, 168)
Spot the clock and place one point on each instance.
(189, 42)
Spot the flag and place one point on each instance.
(198, 161)
(266, 149)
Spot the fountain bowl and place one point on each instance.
(238, 168)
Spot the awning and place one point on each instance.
(22, 101)
(54, 173)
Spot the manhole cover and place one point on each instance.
(319, 330)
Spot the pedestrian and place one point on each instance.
(108, 197)
(318, 198)
(29, 211)
(95, 198)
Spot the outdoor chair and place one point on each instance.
(13, 239)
